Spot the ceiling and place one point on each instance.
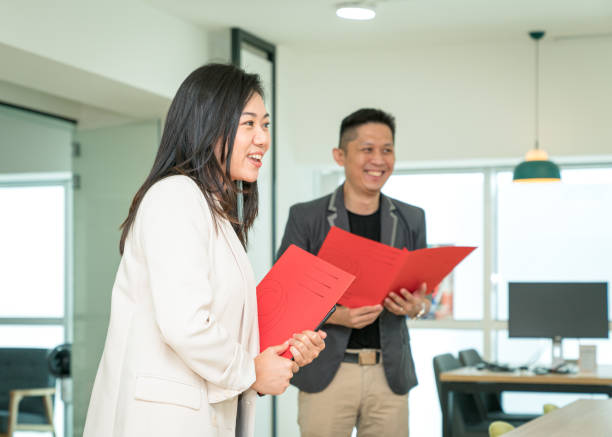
(398, 22)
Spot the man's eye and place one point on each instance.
(267, 125)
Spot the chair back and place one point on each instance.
(490, 402)
(470, 357)
(465, 404)
(443, 363)
(24, 368)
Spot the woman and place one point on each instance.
(182, 351)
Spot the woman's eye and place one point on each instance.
(267, 125)
(249, 123)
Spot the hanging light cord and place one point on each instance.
(537, 94)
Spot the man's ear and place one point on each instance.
(338, 156)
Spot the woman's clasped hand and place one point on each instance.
(274, 372)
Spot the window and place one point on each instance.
(33, 255)
(453, 204)
(554, 232)
(34, 223)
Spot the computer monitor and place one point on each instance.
(558, 310)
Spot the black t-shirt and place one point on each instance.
(367, 226)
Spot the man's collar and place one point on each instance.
(338, 215)
(336, 202)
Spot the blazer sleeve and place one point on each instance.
(295, 233)
(175, 230)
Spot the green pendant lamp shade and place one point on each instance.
(536, 167)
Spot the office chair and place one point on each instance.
(490, 403)
(466, 419)
(27, 390)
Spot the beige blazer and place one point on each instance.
(183, 327)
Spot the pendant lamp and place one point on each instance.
(537, 167)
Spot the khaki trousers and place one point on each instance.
(358, 396)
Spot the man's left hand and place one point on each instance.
(406, 303)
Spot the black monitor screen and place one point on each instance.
(558, 309)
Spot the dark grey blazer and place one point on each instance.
(402, 225)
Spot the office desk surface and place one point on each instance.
(584, 417)
(603, 376)
(472, 380)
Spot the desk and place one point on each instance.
(471, 380)
(584, 417)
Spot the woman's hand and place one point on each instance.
(307, 346)
(273, 372)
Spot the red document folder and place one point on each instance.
(296, 294)
(380, 269)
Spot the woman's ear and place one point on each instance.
(338, 156)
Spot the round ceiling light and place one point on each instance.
(355, 11)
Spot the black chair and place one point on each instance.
(27, 390)
(490, 403)
(465, 417)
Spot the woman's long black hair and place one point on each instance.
(205, 113)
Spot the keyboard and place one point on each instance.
(495, 367)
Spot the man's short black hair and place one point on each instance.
(360, 117)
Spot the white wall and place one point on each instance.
(88, 117)
(456, 102)
(451, 102)
(32, 143)
(126, 41)
(125, 57)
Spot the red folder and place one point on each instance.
(380, 269)
(296, 294)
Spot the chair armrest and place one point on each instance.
(28, 392)
(15, 396)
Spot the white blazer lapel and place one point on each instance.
(249, 335)
(250, 331)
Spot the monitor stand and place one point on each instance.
(557, 352)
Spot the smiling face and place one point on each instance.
(368, 158)
(252, 141)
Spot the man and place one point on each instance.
(363, 376)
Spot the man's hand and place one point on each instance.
(408, 304)
(355, 317)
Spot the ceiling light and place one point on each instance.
(537, 167)
(355, 11)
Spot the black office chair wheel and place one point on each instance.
(59, 360)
